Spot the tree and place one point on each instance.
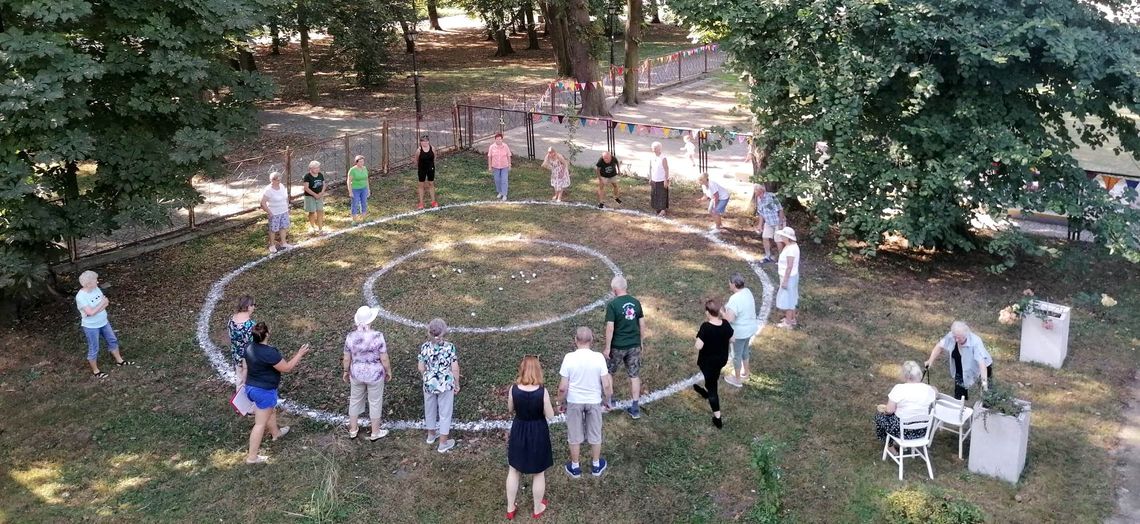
(633, 26)
(655, 10)
(433, 14)
(141, 97)
(531, 32)
(554, 11)
(935, 113)
(362, 32)
(305, 16)
(497, 14)
(580, 33)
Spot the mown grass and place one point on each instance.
(158, 443)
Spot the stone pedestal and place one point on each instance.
(1046, 341)
(998, 443)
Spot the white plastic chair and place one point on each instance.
(911, 448)
(952, 415)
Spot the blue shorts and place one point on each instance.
(93, 335)
(262, 398)
(718, 207)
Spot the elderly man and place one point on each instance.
(740, 312)
(771, 215)
(659, 180)
(583, 395)
(625, 325)
(607, 169)
(967, 357)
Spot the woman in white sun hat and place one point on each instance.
(788, 267)
(366, 369)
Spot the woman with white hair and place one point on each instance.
(439, 366)
(366, 369)
(92, 307)
(659, 180)
(966, 357)
(910, 399)
(275, 203)
(358, 189)
(717, 196)
(788, 268)
(314, 186)
(559, 172)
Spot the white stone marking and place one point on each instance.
(222, 363)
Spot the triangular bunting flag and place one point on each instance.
(537, 118)
(582, 122)
(1131, 183)
(560, 117)
(1090, 174)
(1110, 181)
(630, 128)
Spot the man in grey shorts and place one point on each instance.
(625, 326)
(582, 396)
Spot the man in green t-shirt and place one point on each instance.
(625, 323)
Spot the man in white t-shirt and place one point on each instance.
(582, 395)
(275, 203)
(740, 312)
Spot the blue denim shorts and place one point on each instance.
(262, 398)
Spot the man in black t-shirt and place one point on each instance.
(607, 169)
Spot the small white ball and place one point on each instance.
(472, 313)
(527, 281)
(500, 289)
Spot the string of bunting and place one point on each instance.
(1111, 181)
(620, 70)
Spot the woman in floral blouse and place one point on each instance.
(559, 172)
(439, 365)
(241, 330)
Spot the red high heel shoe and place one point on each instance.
(545, 506)
(511, 513)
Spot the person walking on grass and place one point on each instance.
(770, 219)
(968, 359)
(717, 197)
(559, 172)
(260, 380)
(659, 180)
(528, 449)
(740, 312)
(788, 268)
(499, 164)
(358, 190)
(366, 369)
(713, 339)
(607, 170)
(583, 395)
(275, 203)
(241, 331)
(625, 325)
(314, 184)
(439, 366)
(92, 305)
(425, 171)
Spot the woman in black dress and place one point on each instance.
(425, 168)
(713, 340)
(528, 450)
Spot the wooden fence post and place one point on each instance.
(384, 149)
(706, 55)
(348, 154)
(456, 134)
(680, 60)
(289, 173)
(648, 74)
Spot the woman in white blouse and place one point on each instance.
(910, 399)
(788, 267)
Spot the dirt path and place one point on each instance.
(1128, 462)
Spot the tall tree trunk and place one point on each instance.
(306, 56)
(409, 45)
(275, 35)
(502, 41)
(585, 68)
(655, 10)
(555, 16)
(531, 33)
(629, 93)
(433, 14)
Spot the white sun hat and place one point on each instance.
(365, 315)
(787, 233)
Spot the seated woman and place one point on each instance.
(910, 399)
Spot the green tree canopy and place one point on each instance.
(141, 90)
(935, 112)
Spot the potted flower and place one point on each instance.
(1000, 434)
(1044, 329)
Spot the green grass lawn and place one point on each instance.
(158, 442)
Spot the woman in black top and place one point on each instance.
(260, 378)
(425, 168)
(713, 341)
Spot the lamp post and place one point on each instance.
(612, 9)
(416, 78)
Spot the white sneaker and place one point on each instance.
(272, 249)
(445, 447)
(733, 382)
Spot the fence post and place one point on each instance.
(613, 82)
(706, 55)
(190, 217)
(384, 148)
(680, 59)
(347, 153)
(470, 125)
(289, 173)
(72, 249)
(456, 138)
(648, 74)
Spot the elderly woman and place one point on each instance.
(263, 368)
(788, 268)
(528, 448)
(499, 164)
(717, 197)
(241, 330)
(559, 172)
(439, 366)
(92, 307)
(659, 180)
(366, 369)
(910, 399)
(358, 189)
(425, 171)
(713, 340)
(275, 203)
(314, 185)
(967, 357)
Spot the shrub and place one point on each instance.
(929, 506)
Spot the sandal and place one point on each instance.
(100, 374)
(284, 431)
(125, 363)
(352, 433)
(261, 459)
(545, 506)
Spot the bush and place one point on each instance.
(928, 506)
(770, 482)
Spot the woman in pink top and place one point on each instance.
(499, 163)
